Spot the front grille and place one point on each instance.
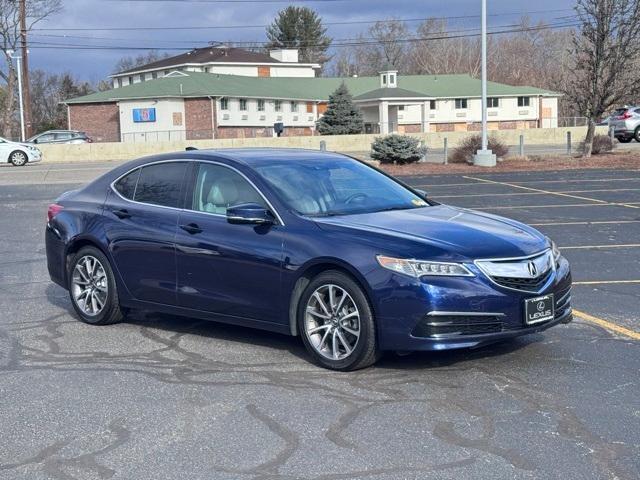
(455, 325)
(524, 284)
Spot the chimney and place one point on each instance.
(286, 55)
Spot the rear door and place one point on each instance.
(143, 209)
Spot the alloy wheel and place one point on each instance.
(89, 286)
(332, 322)
(18, 159)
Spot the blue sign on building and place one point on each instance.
(144, 115)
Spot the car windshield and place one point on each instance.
(336, 187)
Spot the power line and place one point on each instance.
(235, 27)
(49, 45)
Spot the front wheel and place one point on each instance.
(624, 139)
(336, 323)
(18, 158)
(92, 288)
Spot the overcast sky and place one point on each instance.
(94, 65)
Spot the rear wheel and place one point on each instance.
(336, 323)
(92, 288)
(636, 134)
(18, 158)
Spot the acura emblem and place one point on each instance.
(533, 270)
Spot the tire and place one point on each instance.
(624, 139)
(91, 272)
(331, 329)
(636, 134)
(18, 158)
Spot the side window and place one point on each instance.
(63, 136)
(160, 184)
(219, 187)
(126, 186)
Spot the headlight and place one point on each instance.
(419, 268)
(555, 250)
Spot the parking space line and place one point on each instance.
(605, 282)
(512, 194)
(607, 325)
(585, 180)
(555, 205)
(588, 222)
(588, 247)
(603, 202)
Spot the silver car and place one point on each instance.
(626, 124)
(60, 136)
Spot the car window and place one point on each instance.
(126, 186)
(217, 188)
(161, 184)
(63, 136)
(48, 137)
(336, 187)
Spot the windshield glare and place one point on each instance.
(336, 187)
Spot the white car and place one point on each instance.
(18, 154)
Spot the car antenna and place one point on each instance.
(190, 148)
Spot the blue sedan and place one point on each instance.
(303, 243)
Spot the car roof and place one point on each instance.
(257, 156)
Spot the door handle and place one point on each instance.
(121, 213)
(191, 228)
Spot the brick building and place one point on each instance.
(185, 104)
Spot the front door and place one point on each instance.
(224, 268)
(143, 211)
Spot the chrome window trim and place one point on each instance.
(507, 259)
(189, 161)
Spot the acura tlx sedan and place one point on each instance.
(303, 243)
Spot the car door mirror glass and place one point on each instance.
(249, 213)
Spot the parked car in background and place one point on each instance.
(626, 124)
(60, 136)
(305, 243)
(18, 154)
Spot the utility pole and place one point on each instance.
(484, 157)
(25, 68)
(20, 93)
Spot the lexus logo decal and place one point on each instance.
(533, 270)
(540, 306)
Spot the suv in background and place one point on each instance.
(60, 136)
(626, 124)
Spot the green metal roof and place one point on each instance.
(390, 93)
(199, 84)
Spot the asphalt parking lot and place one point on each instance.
(161, 397)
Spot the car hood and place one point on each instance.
(456, 231)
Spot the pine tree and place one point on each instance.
(342, 117)
(301, 28)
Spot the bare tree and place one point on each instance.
(127, 63)
(607, 51)
(36, 11)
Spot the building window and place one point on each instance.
(523, 101)
(294, 106)
(461, 103)
(261, 105)
(493, 102)
(277, 105)
(384, 79)
(130, 80)
(243, 104)
(401, 107)
(432, 104)
(154, 75)
(392, 79)
(119, 82)
(224, 104)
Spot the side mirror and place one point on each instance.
(422, 193)
(249, 213)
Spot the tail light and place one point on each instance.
(53, 210)
(625, 115)
(89, 140)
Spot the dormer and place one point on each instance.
(388, 78)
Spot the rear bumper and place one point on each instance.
(56, 260)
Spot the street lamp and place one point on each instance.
(17, 58)
(484, 157)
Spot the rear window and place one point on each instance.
(161, 184)
(126, 186)
(63, 136)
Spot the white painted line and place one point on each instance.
(603, 222)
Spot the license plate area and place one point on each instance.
(539, 309)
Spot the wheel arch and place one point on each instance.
(75, 245)
(313, 269)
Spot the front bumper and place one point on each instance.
(449, 313)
